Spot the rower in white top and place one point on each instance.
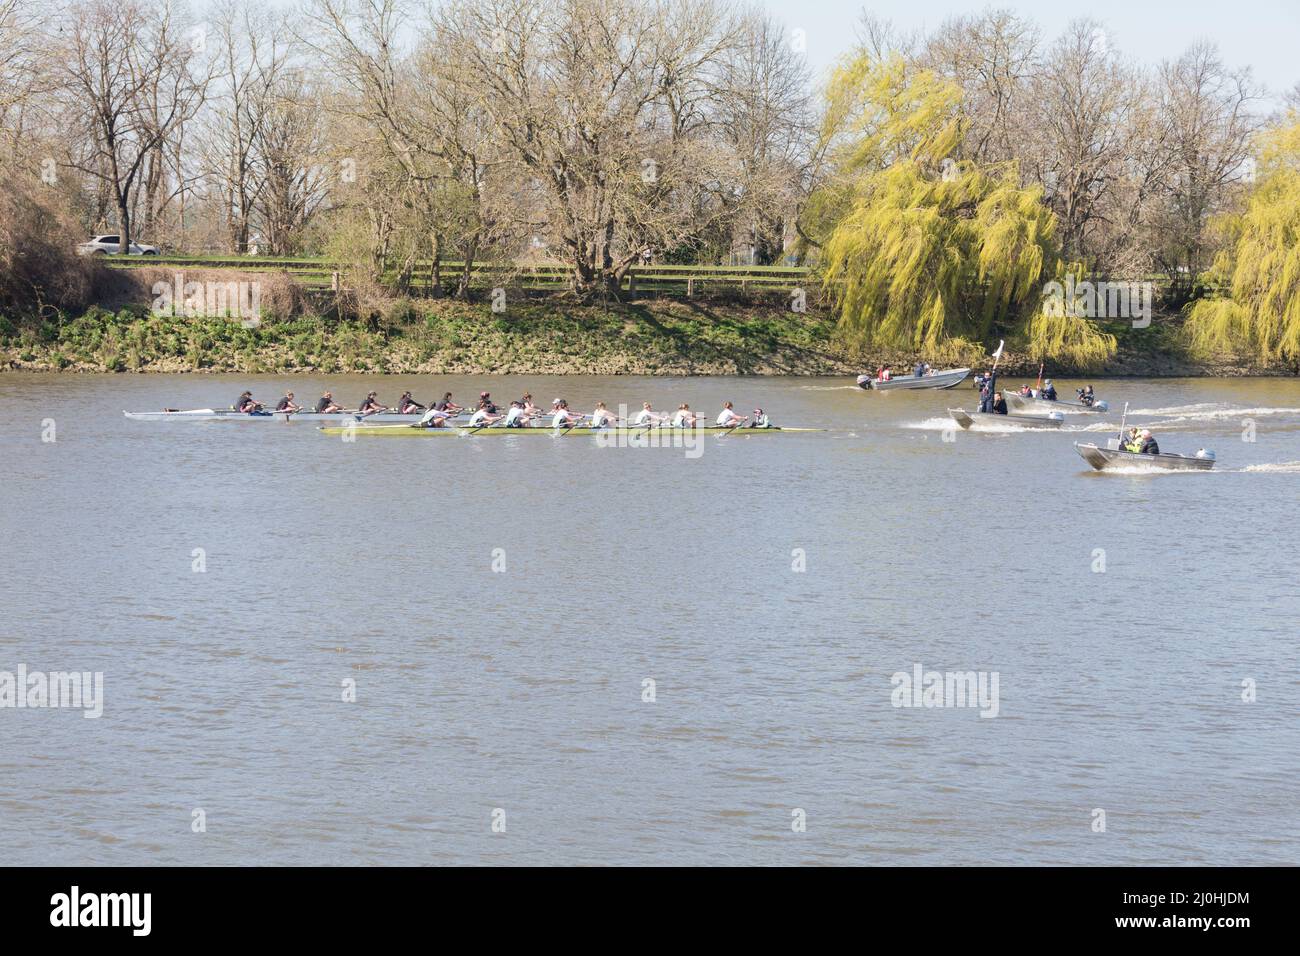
(518, 416)
(727, 418)
(436, 418)
(563, 418)
(483, 418)
(648, 416)
(602, 417)
(685, 418)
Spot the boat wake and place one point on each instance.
(981, 425)
(1208, 412)
(1276, 468)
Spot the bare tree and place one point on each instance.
(131, 83)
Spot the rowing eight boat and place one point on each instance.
(662, 432)
(228, 415)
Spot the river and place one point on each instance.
(532, 650)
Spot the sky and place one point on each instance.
(1262, 34)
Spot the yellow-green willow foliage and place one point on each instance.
(1261, 263)
(929, 247)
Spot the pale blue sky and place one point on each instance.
(1262, 34)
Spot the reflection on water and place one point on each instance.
(770, 589)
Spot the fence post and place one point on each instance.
(334, 281)
(690, 286)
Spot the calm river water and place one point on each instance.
(498, 607)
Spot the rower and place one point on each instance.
(485, 402)
(759, 420)
(517, 416)
(563, 418)
(287, 404)
(246, 404)
(602, 416)
(727, 418)
(406, 405)
(685, 418)
(448, 406)
(436, 418)
(371, 405)
(530, 408)
(1148, 446)
(1048, 392)
(483, 418)
(999, 404)
(647, 416)
(327, 406)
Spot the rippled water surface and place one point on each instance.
(521, 693)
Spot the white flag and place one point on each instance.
(998, 353)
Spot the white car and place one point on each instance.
(108, 245)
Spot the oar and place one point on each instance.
(575, 424)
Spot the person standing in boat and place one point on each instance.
(727, 418)
(999, 406)
(987, 392)
(327, 406)
(919, 371)
(371, 405)
(406, 405)
(288, 405)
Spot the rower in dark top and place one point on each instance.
(447, 405)
(999, 406)
(288, 405)
(327, 406)
(486, 404)
(406, 405)
(247, 404)
(371, 405)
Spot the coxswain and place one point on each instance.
(406, 405)
(727, 418)
(759, 420)
(327, 406)
(288, 405)
(371, 405)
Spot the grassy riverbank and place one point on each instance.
(543, 336)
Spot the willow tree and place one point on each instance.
(930, 247)
(1260, 263)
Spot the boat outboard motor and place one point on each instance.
(1101, 406)
(1205, 453)
(864, 381)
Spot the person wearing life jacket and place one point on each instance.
(1026, 391)
(1048, 391)
(886, 374)
(1133, 442)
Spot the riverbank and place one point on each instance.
(539, 337)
